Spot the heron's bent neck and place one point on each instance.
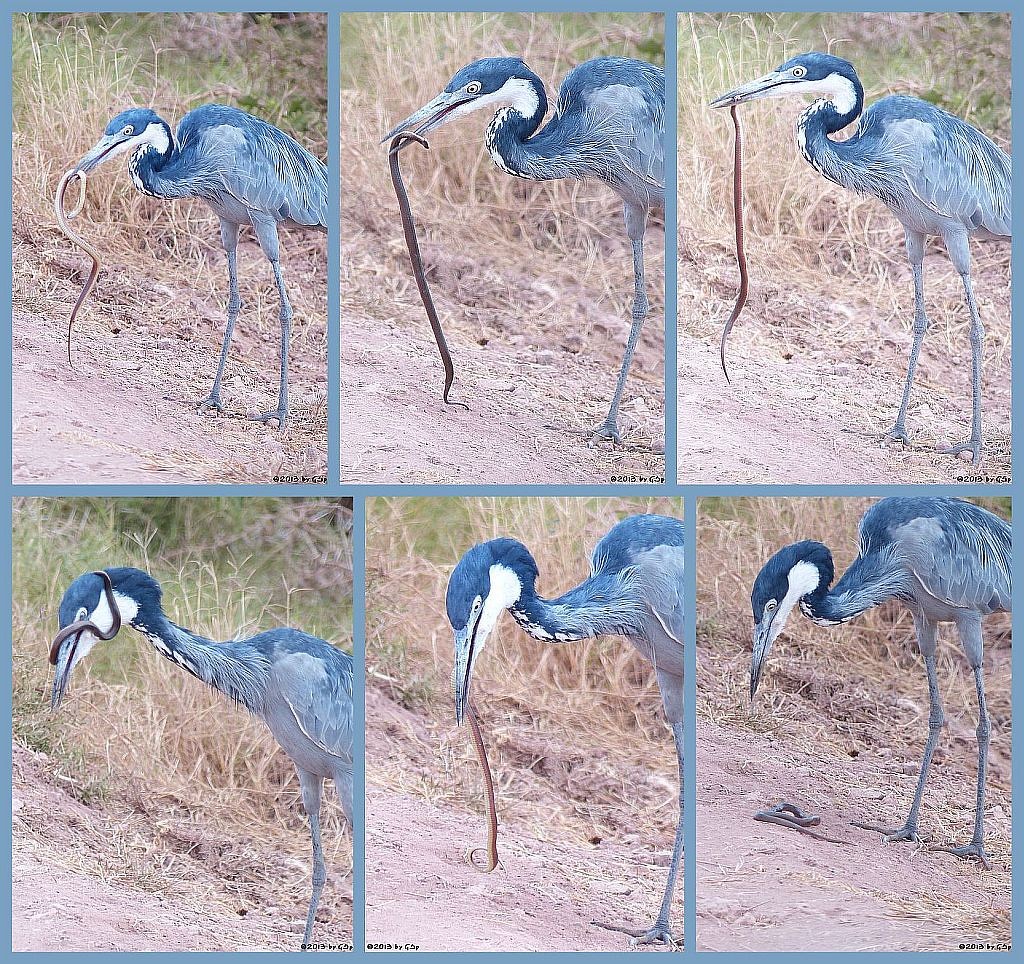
(237, 671)
(603, 605)
(870, 581)
(147, 161)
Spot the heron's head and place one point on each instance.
(94, 607)
(822, 76)
(489, 578)
(794, 572)
(489, 83)
(132, 130)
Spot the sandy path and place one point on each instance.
(762, 887)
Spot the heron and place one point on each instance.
(608, 124)
(937, 174)
(298, 685)
(944, 559)
(248, 172)
(635, 589)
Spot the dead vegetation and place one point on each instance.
(162, 291)
(831, 301)
(158, 782)
(538, 272)
(854, 699)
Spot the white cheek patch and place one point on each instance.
(505, 591)
(515, 92)
(103, 618)
(155, 135)
(835, 88)
(803, 579)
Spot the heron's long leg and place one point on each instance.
(973, 444)
(915, 252)
(926, 634)
(266, 231)
(636, 223)
(971, 637)
(312, 789)
(229, 238)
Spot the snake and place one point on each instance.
(400, 141)
(64, 218)
(484, 859)
(741, 254)
(791, 816)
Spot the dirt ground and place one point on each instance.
(814, 388)
(90, 877)
(762, 887)
(566, 858)
(532, 349)
(145, 354)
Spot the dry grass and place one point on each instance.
(569, 727)
(858, 688)
(828, 244)
(507, 231)
(139, 738)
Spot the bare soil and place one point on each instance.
(106, 876)
(536, 354)
(762, 887)
(145, 354)
(816, 381)
(567, 857)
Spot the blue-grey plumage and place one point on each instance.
(635, 589)
(246, 170)
(298, 684)
(608, 124)
(946, 560)
(939, 175)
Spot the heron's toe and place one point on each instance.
(278, 417)
(212, 403)
(605, 432)
(973, 448)
(656, 935)
(898, 434)
(973, 851)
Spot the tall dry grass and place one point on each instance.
(139, 736)
(803, 233)
(73, 72)
(571, 233)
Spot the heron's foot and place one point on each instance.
(605, 432)
(973, 446)
(906, 832)
(278, 416)
(212, 403)
(657, 934)
(973, 851)
(897, 434)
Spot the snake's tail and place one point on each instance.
(491, 853)
(64, 217)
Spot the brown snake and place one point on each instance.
(63, 219)
(741, 254)
(402, 140)
(484, 859)
(791, 816)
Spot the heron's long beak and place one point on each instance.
(763, 639)
(104, 148)
(770, 85)
(63, 650)
(461, 673)
(430, 116)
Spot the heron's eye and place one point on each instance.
(771, 606)
(474, 87)
(799, 71)
(81, 614)
(128, 130)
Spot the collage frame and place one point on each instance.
(690, 494)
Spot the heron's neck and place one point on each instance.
(603, 605)
(871, 580)
(236, 670)
(835, 160)
(511, 139)
(146, 164)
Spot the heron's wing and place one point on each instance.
(950, 167)
(316, 688)
(660, 573)
(959, 552)
(256, 164)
